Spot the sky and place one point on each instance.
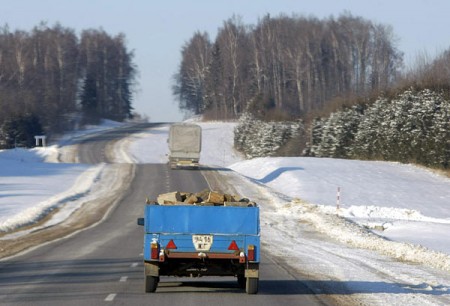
(157, 30)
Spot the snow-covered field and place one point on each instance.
(400, 202)
(31, 186)
(408, 205)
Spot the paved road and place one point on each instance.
(102, 265)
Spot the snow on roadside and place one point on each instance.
(87, 130)
(350, 233)
(146, 147)
(362, 276)
(385, 197)
(30, 188)
(218, 144)
(33, 183)
(362, 183)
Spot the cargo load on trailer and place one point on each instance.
(185, 144)
(201, 234)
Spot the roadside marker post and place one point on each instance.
(338, 198)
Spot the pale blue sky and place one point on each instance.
(156, 30)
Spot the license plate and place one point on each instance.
(202, 242)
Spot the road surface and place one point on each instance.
(102, 265)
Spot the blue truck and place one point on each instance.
(202, 240)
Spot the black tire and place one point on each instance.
(151, 283)
(241, 281)
(251, 286)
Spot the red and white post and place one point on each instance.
(338, 198)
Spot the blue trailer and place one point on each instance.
(197, 240)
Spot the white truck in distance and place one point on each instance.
(185, 144)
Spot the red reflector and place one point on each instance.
(171, 245)
(233, 246)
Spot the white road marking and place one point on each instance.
(110, 297)
(123, 279)
(134, 264)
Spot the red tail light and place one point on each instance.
(171, 245)
(251, 252)
(154, 250)
(233, 246)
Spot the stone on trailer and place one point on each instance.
(169, 198)
(215, 197)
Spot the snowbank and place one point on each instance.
(33, 183)
(397, 201)
(31, 188)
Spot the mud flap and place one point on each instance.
(252, 273)
(151, 269)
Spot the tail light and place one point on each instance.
(251, 252)
(154, 253)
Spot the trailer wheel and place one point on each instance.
(241, 281)
(151, 283)
(251, 286)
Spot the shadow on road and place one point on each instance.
(65, 271)
(300, 287)
(98, 271)
(289, 287)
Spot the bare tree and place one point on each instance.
(190, 81)
(41, 72)
(291, 64)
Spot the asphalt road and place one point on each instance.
(102, 265)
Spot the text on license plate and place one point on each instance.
(202, 242)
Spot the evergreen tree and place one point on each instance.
(89, 101)
(20, 131)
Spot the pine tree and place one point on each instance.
(89, 101)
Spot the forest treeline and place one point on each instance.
(49, 76)
(413, 126)
(409, 125)
(324, 88)
(285, 66)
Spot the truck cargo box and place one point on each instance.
(198, 240)
(185, 144)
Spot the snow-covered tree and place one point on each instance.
(412, 127)
(257, 138)
(335, 136)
